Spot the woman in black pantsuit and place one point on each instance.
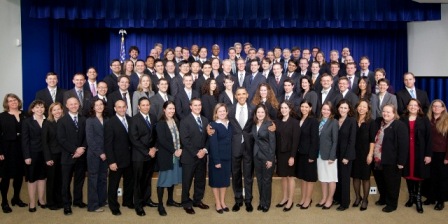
(10, 138)
(365, 141)
(52, 156)
(345, 152)
(287, 139)
(418, 164)
(390, 155)
(33, 154)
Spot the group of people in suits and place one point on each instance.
(298, 117)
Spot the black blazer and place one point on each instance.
(155, 81)
(224, 98)
(403, 98)
(264, 144)
(142, 137)
(347, 139)
(70, 137)
(157, 102)
(200, 82)
(183, 103)
(251, 87)
(165, 146)
(238, 132)
(109, 109)
(10, 129)
(116, 142)
(192, 138)
(317, 86)
(395, 147)
(31, 137)
(370, 76)
(309, 138)
(422, 147)
(208, 106)
(312, 97)
(277, 88)
(176, 85)
(351, 97)
(95, 136)
(112, 83)
(220, 81)
(85, 108)
(288, 137)
(45, 95)
(294, 98)
(333, 96)
(114, 97)
(50, 142)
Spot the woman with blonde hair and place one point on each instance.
(144, 89)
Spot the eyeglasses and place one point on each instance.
(437, 106)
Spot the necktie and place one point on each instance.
(125, 124)
(277, 79)
(53, 95)
(241, 79)
(75, 120)
(412, 93)
(285, 67)
(287, 97)
(198, 119)
(80, 96)
(349, 82)
(189, 95)
(105, 99)
(125, 98)
(241, 119)
(164, 98)
(251, 79)
(147, 121)
(92, 89)
(321, 125)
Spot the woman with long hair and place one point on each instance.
(265, 95)
(307, 92)
(365, 92)
(209, 98)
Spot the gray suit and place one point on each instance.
(157, 104)
(328, 140)
(387, 99)
(137, 95)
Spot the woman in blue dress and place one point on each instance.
(220, 156)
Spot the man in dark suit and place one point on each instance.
(91, 83)
(251, 56)
(142, 135)
(135, 77)
(364, 64)
(177, 83)
(183, 98)
(240, 116)
(72, 137)
(159, 74)
(289, 94)
(112, 79)
(277, 55)
(346, 93)
(410, 92)
(84, 97)
(226, 71)
(252, 81)
(352, 79)
(206, 74)
(149, 65)
(304, 68)
(194, 56)
(276, 81)
(118, 153)
(52, 93)
(241, 72)
(315, 77)
(335, 72)
(193, 137)
(160, 98)
(122, 94)
(327, 94)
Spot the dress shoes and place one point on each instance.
(162, 211)
(189, 210)
(357, 202)
(341, 208)
(68, 211)
(6, 208)
(42, 206)
(320, 205)
(286, 209)
(151, 204)
(18, 202)
(265, 209)
(237, 206)
(364, 205)
(280, 205)
(336, 202)
(380, 203)
(249, 207)
(303, 207)
(174, 204)
(388, 209)
(439, 206)
(140, 212)
(220, 211)
(226, 209)
(54, 207)
(259, 208)
(201, 205)
(80, 205)
(326, 208)
(116, 212)
(428, 202)
(130, 206)
(32, 209)
(299, 205)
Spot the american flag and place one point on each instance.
(122, 46)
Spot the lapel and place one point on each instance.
(385, 99)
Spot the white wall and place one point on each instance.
(10, 53)
(428, 46)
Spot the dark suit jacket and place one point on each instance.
(251, 87)
(347, 139)
(239, 133)
(183, 103)
(328, 140)
(95, 136)
(309, 138)
(200, 82)
(395, 147)
(50, 142)
(157, 104)
(109, 109)
(403, 98)
(84, 108)
(295, 99)
(134, 83)
(70, 137)
(176, 85)
(112, 83)
(192, 138)
(114, 97)
(142, 137)
(333, 96)
(165, 146)
(224, 98)
(264, 142)
(317, 86)
(288, 137)
(352, 98)
(208, 106)
(312, 97)
(220, 81)
(45, 95)
(31, 137)
(155, 81)
(370, 76)
(354, 86)
(116, 142)
(277, 88)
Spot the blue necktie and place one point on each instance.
(75, 119)
(147, 122)
(198, 119)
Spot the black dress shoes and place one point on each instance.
(80, 205)
(265, 209)
(237, 206)
(18, 202)
(54, 207)
(43, 206)
(151, 204)
(380, 202)
(116, 212)
(173, 204)
(162, 211)
(336, 202)
(140, 212)
(439, 206)
(341, 208)
(299, 205)
(201, 205)
(249, 207)
(320, 205)
(357, 202)
(286, 209)
(220, 211)
(226, 209)
(32, 209)
(428, 202)
(189, 210)
(388, 209)
(68, 211)
(326, 208)
(364, 205)
(6, 208)
(280, 205)
(259, 208)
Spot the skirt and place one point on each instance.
(327, 172)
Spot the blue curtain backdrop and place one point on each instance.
(69, 36)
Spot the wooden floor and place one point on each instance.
(275, 215)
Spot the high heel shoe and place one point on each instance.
(303, 207)
(299, 205)
(32, 209)
(280, 205)
(364, 205)
(357, 202)
(43, 206)
(326, 208)
(286, 209)
(18, 202)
